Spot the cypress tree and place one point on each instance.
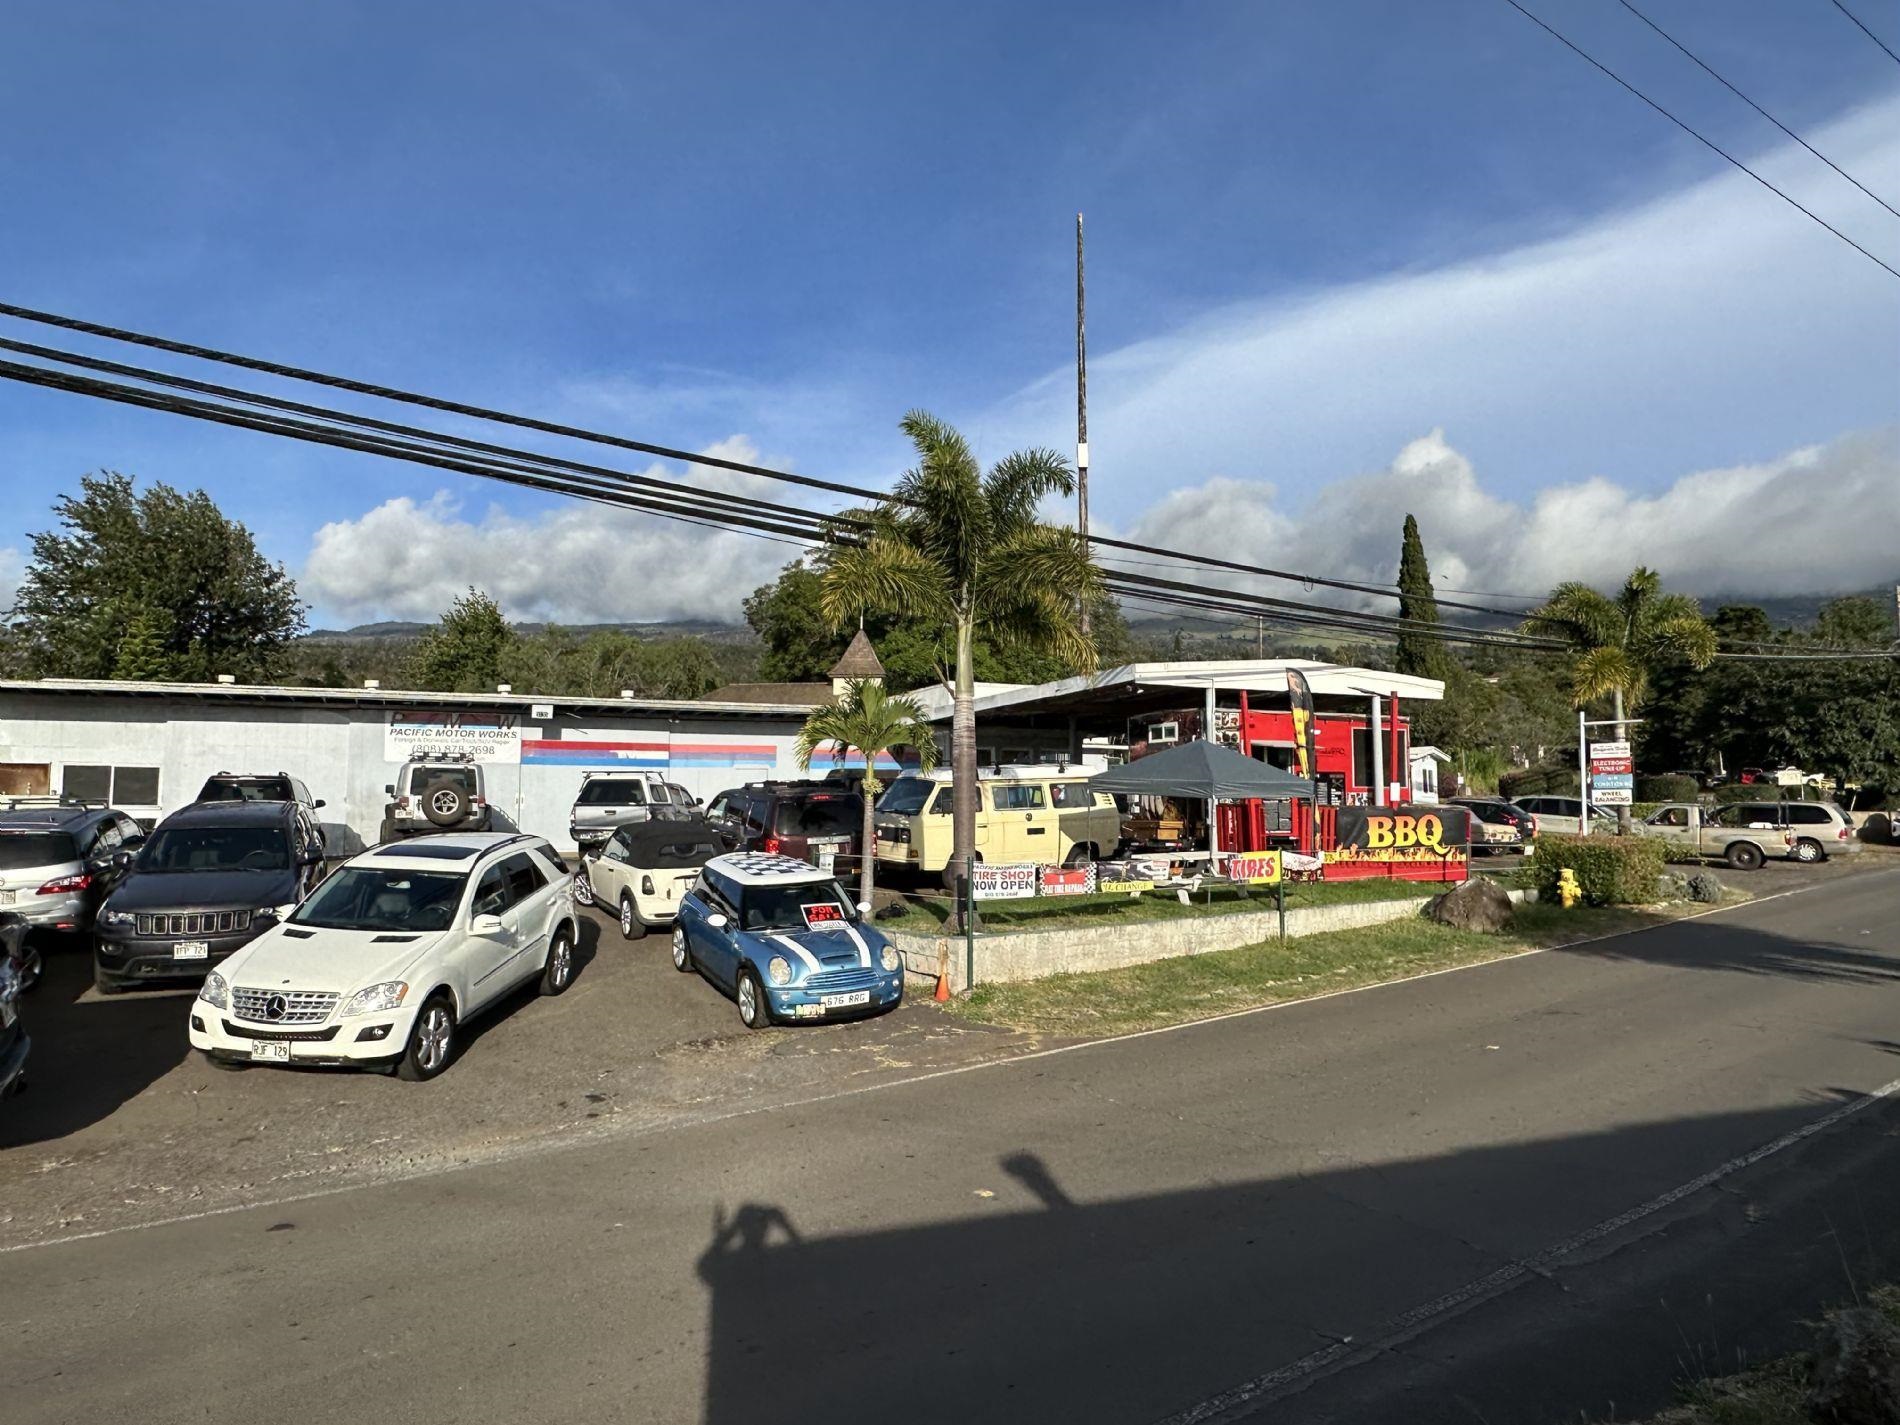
(1419, 654)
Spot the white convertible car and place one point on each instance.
(385, 961)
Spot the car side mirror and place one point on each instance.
(864, 907)
(122, 860)
(319, 802)
(487, 926)
(389, 789)
(717, 920)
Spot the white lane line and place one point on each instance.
(643, 1130)
(1423, 1317)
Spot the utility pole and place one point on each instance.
(1081, 411)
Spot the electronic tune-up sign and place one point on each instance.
(1612, 774)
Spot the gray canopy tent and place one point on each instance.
(1203, 770)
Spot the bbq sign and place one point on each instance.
(1391, 834)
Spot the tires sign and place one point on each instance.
(485, 736)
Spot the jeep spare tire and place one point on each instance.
(444, 803)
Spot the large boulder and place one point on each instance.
(1479, 904)
(1856, 1370)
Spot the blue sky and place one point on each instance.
(1344, 257)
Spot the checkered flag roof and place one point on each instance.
(756, 866)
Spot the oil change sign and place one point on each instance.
(485, 736)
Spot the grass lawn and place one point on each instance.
(1113, 908)
(1190, 987)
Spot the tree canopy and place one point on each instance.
(151, 585)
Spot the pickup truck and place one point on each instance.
(1685, 826)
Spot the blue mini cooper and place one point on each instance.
(785, 941)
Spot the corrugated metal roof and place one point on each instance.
(388, 697)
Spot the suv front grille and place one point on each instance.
(193, 922)
(298, 1007)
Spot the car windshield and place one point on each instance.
(367, 898)
(215, 848)
(20, 849)
(906, 796)
(820, 816)
(250, 789)
(797, 905)
(612, 793)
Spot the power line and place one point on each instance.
(1706, 142)
(1865, 31)
(1758, 108)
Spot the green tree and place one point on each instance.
(788, 615)
(961, 547)
(1617, 644)
(203, 600)
(1420, 654)
(873, 722)
(466, 651)
(1854, 622)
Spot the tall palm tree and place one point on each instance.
(870, 721)
(966, 548)
(1618, 643)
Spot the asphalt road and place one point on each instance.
(1482, 1195)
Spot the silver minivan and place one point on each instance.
(58, 861)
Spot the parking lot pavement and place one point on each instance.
(123, 1123)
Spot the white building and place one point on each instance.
(147, 747)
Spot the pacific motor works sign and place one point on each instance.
(485, 736)
(1390, 834)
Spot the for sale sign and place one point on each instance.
(1005, 883)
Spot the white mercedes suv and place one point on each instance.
(385, 961)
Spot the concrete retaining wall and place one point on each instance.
(1030, 954)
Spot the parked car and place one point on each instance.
(436, 792)
(644, 871)
(1025, 813)
(819, 823)
(1497, 827)
(1818, 830)
(683, 798)
(1721, 837)
(256, 787)
(611, 800)
(1564, 814)
(14, 1044)
(393, 955)
(207, 881)
(785, 941)
(56, 866)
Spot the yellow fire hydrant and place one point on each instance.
(1568, 891)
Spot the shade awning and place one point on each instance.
(1200, 769)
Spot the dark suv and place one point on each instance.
(256, 787)
(819, 822)
(208, 879)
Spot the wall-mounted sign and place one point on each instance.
(542, 712)
(485, 736)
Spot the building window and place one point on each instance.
(116, 786)
(1362, 775)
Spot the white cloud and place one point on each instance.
(1816, 520)
(12, 571)
(1713, 324)
(576, 562)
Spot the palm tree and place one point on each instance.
(966, 549)
(1618, 643)
(872, 722)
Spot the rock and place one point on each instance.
(1856, 1370)
(1479, 904)
(1672, 886)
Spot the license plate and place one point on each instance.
(827, 857)
(7, 897)
(192, 950)
(856, 997)
(270, 1053)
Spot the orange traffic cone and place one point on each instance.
(943, 987)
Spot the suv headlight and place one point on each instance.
(116, 917)
(778, 970)
(215, 992)
(890, 959)
(371, 998)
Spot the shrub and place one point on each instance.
(1558, 781)
(1670, 787)
(1705, 888)
(1610, 870)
